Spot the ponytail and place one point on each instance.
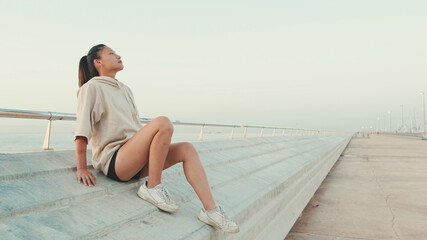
(84, 74)
(87, 69)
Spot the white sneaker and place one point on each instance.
(218, 218)
(159, 196)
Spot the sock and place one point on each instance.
(213, 210)
(146, 184)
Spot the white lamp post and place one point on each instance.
(424, 135)
(402, 119)
(384, 130)
(378, 124)
(424, 111)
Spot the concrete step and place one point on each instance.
(253, 179)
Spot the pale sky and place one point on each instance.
(327, 65)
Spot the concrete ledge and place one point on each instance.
(263, 183)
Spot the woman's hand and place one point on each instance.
(82, 174)
(85, 176)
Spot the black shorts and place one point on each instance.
(112, 169)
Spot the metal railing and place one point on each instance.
(51, 116)
(420, 135)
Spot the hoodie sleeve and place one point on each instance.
(89, 111)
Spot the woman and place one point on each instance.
(123, 149)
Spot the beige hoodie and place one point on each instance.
(106, 116)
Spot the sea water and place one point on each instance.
(62, 136)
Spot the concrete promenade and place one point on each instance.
(376, 190)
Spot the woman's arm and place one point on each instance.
(83, 174)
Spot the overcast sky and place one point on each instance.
(332, 65)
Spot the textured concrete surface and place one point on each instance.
(376, 190)
(263, 183)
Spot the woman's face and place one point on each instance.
(109, 60)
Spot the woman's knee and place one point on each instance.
(163, 123)
(187, 150)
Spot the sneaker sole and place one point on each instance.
(209, 222)
(164, 208)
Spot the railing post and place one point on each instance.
(274, 133)
(232, 133)
(47, 136)
(201, 133)
(283, 132)
(262, 132)
(245, 132)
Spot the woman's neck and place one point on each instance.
(108, 74)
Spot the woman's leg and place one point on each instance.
(151, 150)
(193, 169)
(149, 145)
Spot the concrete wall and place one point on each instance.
(263, 183)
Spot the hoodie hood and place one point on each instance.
(121, 87)
(107, 80)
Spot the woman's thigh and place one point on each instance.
(133, 155)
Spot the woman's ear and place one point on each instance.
(97, 62)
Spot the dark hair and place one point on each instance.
(87, 69)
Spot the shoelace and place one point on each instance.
(164, 192)
(225, 220)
